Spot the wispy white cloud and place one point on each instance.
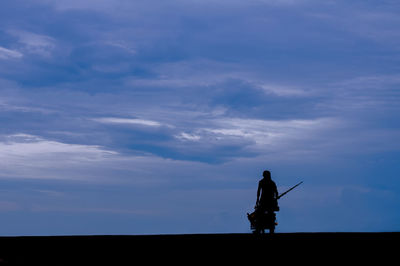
(284, 91)
(122, 45)
(34, 43)
(312, 138)
(187, 136)
(9, 54)
(128, 121)
(26, 156)
(269, 131)
(21, 145)
(377, 82)
(29, 156)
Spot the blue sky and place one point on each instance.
(148, 117)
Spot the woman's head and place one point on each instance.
(267, 174)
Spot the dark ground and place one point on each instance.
(281, 248)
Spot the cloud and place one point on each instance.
(186, 136)
(17, 146)
(275, 134)
(284, 91)
(9, 54)
(33, 43)
(122, 45)
(29, 156)
(26, 156)
(272, 128)
(127, 121)
(366, 94)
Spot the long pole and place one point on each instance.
(283, 194)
